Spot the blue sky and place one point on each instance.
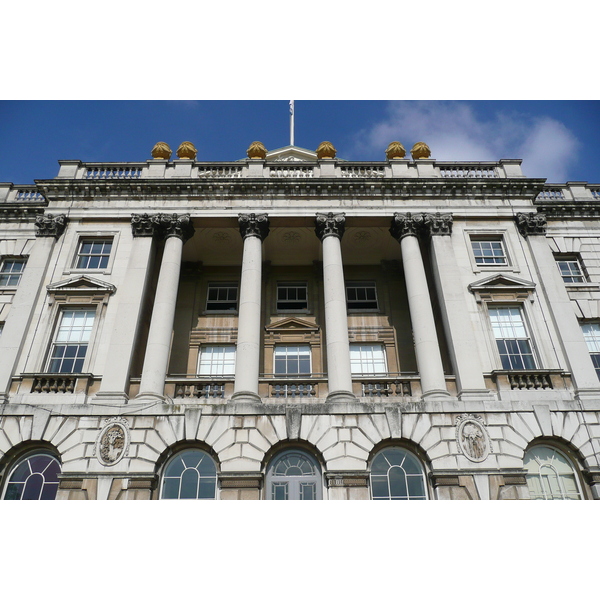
(557, 140)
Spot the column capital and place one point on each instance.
(252, 225)
(50, 225)
(174, 225)
(438, 223)
(145, 225)
(408, 224)
(531, 223)
(330, 224)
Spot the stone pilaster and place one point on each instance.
(253, 229)
(405, 228)
(329, 228)
(177, 229)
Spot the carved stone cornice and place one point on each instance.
(50, 225)
(571, 210)
(174, 225)
(330, 224)
(145, 225)
(408, 224)
(437, 223)
(531, 223)
(252, 225)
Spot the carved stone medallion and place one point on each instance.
(112, 443)
(472, 437)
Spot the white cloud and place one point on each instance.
(455, 132)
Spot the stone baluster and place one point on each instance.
(132, 292)
(48, 229)
(330, 229)
(176, 229)
(455, 315)
(406, 228)
(253, 229)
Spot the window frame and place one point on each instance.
(14, 259)
(222, 285)
(366, 285)
(589, 340)
(299, 374)
(19, 460)
(171, 461)
(79, 238)
(571, 258)
(294, 483)
(529, 336)
(407, 453)
(374, 373)
(291, 285)
(203, 350)
(501, 235)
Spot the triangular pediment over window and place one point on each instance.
(81, 283)
(502, 287)
(292, 324)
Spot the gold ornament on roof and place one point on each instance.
(161, 150)
(395, 150)
(326, 150)
(420, 150)
(187, 150)
(256, 150)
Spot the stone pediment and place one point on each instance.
(292, 154)
(82, 284)
(292, 324)
(502, 287)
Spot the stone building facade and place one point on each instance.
(296, 326)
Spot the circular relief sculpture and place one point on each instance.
(473, 440)
(112, 443)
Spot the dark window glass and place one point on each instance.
(93, 254)
(35, 477)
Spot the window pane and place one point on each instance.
(511, 336)
(35, 477)
(367, 359)
(292, 360)
(396, 474)
(221, 297)
(488, 252)
(550, 475)
(217, 360)
(361, 296)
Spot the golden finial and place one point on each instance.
(187, 150)
(256, 150)
(420, 150)
(161, 150)
(326, 150)
(395, 150)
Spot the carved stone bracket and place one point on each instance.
(330, 224)
(437, 223)
(254, 225)
(408, 224)
(50, 225)
(145, 225)
(531, 223)
(174, 225)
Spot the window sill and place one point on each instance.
(583, 287)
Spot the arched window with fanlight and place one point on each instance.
(397, 474)
(294, 475)
(550, 475)
(33, 477)
(189, 475)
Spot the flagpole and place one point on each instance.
(291, 122)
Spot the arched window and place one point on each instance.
(294, 475)
(189, 475)
(34, 477)
(550, 475)
(397, 474)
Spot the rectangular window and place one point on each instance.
(591, 333)
(292, 360)
(489, 252)
(93, 253)
(292, 296)
(361, 295)
(71, 339)
(217, 360)
(570, 268)
(222, 296)
(512, 339)
(11, 270)
(367, 359)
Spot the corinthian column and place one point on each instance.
(330, 229)
(253, 229)
(48, 229)
(176, 229)
(405, 228)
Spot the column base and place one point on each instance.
(484, 394)
(109, 398)
(341, 396)
(436, 395)
(149, 397)
(244, 398)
